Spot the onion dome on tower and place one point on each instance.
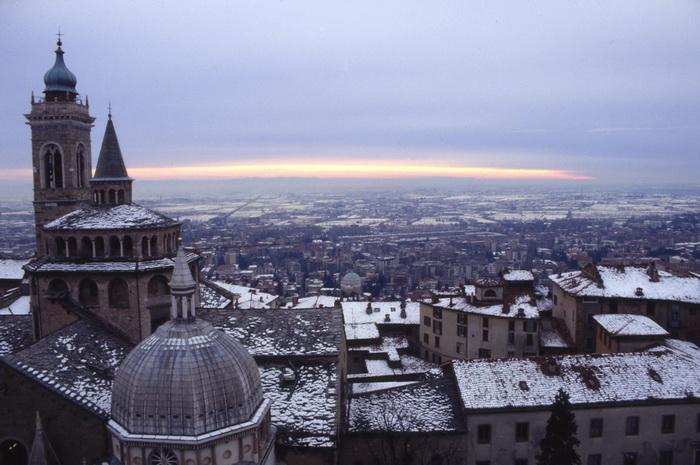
(190, 381)
(60, 81)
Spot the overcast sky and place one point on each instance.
(603, 89)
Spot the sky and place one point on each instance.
(574, 91)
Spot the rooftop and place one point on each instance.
(102, 217)
(629, 325)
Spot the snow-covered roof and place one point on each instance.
(78, 362)
(424, 407)
(629, 325)
(527, 304)
(305, 409)
(389, 345)
(248, 297)
(314, 301)
(18, 307)
(356, 312)
(361, 331)
(518, 275)
(629, 282)
(664, 374)
(100, 217)
(15, 333)
(12, 268)
(44, 265)
(409, 366)
(281, 332)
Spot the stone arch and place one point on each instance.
(60, 247)
(120, 196)
(118, 293)
(154, 246)
(144, 247)
(88, 294)
(166, 240)
(128, 246)
(99, 246)
(85, 250)
(115, 247)
(52, 166)
(490, 294)
(13, 452)
(72, 247)
(80, 165)
(158, 285)
(57, 288)
(112, 194)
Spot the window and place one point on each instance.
(427, 321)
(511, 325)
(437, 341)
(596, 429)
(595, 459)
(437, 359)
(589, 319)
(529, 326)
(529, 339)
(668, 424)
(162, 457)
(613, 306)
(556, 300)
(460, 347)
(511, 338)
(629, 458)
(437, 327)
(118, 293)
(590, 300)
(522, 432)
(461, 330)
(484, 353)
(651, 308)
(426, 338)
(462, 318)
(589, 343)
(53, 167)
(87, 293)
(485, 323)
(632, 426)
(483, 434)
(437, 312)
(666, 457)
(485, 335)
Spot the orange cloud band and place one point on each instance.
(343, 170)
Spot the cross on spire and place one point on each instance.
(59, 36)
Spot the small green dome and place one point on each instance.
(60, 78)
(352, 277)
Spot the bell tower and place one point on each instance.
(60, 123)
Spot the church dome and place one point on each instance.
(59, 78)
(186, 379)
(351, 278)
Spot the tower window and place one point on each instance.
(53, 167)
(80, 165)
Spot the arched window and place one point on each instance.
(99, 246)
(60, 247)
(144, 247)
(13, 452)
(118, 293)
(53, 166)
(80, 165)
(128, 244)
(490, 294)
(120, 196)
(168, 245)
(162, 457)
(158, 285)
(154, 246)
(72, 247)
(87, 293)
(85, 247)
(57, 288)
(115, 247)
(112, 196)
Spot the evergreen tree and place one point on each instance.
(558, 447)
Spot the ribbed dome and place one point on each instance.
(352, 278)
(60, 78)
(185, 379)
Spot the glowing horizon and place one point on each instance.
(362, 169)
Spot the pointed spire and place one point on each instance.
(110, 164)
(182, 287)
(42, 453)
